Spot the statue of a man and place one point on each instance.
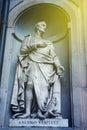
(37, 88)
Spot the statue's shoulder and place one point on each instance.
(48, 42)
(27, 36)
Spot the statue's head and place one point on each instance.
(41, 26)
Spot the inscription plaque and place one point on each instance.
(37, 122)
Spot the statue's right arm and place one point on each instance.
(25, 48)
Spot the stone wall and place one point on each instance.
(75, 12)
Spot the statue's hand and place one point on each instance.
(60, 71)
(42, 44)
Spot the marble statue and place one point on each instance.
(37, 86)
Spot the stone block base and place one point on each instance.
(36, 122)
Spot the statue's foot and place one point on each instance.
(59, 117)
(52, 114)
(26, 115)
(16, 115)
(34, 115)
(40, 116)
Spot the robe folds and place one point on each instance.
(37, 65)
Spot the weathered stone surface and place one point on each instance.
(37, 122)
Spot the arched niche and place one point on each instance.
(71, 14)
(56, 25)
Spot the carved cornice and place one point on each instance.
(54, 39)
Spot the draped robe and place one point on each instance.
(37, 66)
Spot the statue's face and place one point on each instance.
(41, 26)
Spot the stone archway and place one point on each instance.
(75, 37)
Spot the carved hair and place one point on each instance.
(37, 24)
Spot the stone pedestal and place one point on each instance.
(36, 122)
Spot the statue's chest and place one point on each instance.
(45, 50)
